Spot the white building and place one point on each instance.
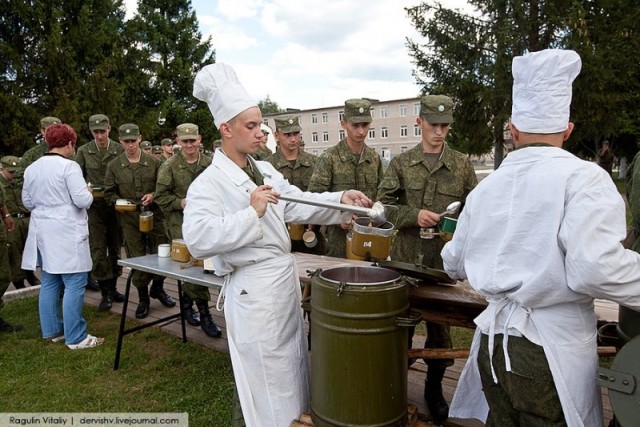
(393, 130)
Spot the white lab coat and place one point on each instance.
(540, 238)
(262, 292)
(57, 196)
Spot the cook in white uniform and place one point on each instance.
(540, 238)
(233, 214)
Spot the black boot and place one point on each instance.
(187, 308)
(117, 296)
(32, 279)
(158, 293)
(438, 406)
(206, 321)
(92, 284)
(143, 303)
(7, 327)
(107, 295)
(18, 284)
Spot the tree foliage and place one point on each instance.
(74, 58)
(267, 106)
(467, 55)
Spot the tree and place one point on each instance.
(166, 52)
(468, 56)
(50, 56)
(267, 106)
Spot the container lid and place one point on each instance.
(625, 402)
(420, 272)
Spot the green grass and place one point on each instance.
(158, 373)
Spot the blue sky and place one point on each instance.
(313, 53)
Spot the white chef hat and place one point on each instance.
(218, 86)
(542, 90)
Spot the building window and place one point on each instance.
(416, 109)
(325, 136)
(384, 133)
(403, 111)
(314, 118)
(341, 115)
(385, 153)
(384, 112)
(403, 149)
(372, 133)
(314, 137)
(417, 131)
(341, 135)
(403, 131)
(325, 117)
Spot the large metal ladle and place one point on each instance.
(376, 212)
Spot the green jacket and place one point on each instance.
(93, 163)
(126, 180)
(338, 170)
(411, 185)
(297, 173)
(13, 195)
(174, 177)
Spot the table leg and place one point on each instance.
(123, 319)
(182, 315)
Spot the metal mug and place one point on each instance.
(310, 239)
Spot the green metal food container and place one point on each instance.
(359, 347)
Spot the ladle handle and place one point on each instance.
(332, 205)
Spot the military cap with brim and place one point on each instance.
(166, 141)
(48, 121)
(436, 109)
(187, 131)
(10, 163)
(145, 144)
(288, 124)
(357, 111)
(128, 131)
(156, 149)
(98, 122)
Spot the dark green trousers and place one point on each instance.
(526, 396)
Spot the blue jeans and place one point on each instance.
(71, 322)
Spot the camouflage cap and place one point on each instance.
(10, 163)
(177, 149)
(288, 124)
(98, 122)
(45, 122)
(156, 149)
(166, 141)
(357, 111)
(128, 131)
(187, 131)
(436, 109)
(145, 145)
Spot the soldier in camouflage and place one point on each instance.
(17, 238)
(167, 148)
(422, 182)
(296, 166)
(263, 152)
(7, 226)
(132, 176)
(34, 153)
(350, 164)
(174, 178)
(104, 236)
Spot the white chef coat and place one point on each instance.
(57, 196)
(540, 239)
(262, 290)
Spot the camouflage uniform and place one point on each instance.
(104, 235)
(131, 181)
(298, 172)
(174, 177)
(33, 154)
(17, 238)
(263, 153)
(338, 169)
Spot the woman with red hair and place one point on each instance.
(58, 241)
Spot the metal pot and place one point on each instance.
(628, 323)
(359, 347)
(370, 240)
